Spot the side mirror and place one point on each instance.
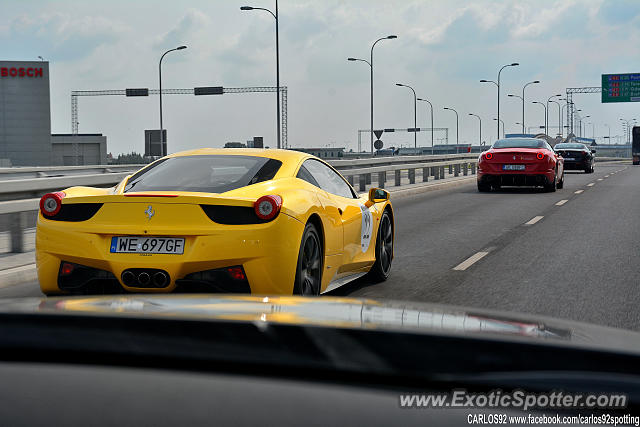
(377, 195)
(593, 151)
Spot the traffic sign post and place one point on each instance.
(621, 87)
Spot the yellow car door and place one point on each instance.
(347, 210)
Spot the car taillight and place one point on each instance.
(540, 156)
(267, 207)
(51, 203)
(488, 156)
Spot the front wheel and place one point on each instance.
(561, 182)
(309, 271)
(384, 250)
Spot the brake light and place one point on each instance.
(488, 156)
(66, 269)
(540, 156)
(51, 203)
(236, 273)
(267, 207)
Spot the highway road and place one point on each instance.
(572, 254)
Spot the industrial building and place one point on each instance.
(25, 122)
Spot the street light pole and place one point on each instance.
(415, 114)
(503, 131)
(275, 16)
(559, 124)
(162, 138)
(545, 113)
(499, 72)
(431, 106)
(608, 127)
(480, 133)
(523, 98)
(457, 134)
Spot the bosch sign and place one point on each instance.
(20, 72)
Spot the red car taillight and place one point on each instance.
(540, 156)
(267, 207)
(51, 203)
(488, 156)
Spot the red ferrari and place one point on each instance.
(520, 162)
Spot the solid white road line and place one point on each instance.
(561, 202)
(470, 261)
(578, 192)
(533, 220)
(591, 185)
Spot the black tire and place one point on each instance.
(561, 182)
(384, 250)
(551, 188)
(309, 270)
(483, 188)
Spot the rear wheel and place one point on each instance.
(483, 188)
(552, 186)
(309, 270)
(561, 183)
(384, 250)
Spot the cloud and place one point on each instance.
(619, 11)
(189, 26)
(61, 35)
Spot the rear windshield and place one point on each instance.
(519, 143)
(207, 174)
(570, 146)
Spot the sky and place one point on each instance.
(443, 49)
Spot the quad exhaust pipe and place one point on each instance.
(145, 278)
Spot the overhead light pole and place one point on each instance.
(162, 138)
(431, 106)
(608, 127)
(523, 98)
(559, 117)
(457, 134)
(514, 64)
(275, 16)
(415, 114)
(480, 132)
(545, 113)
(546, 117)
(370, 62)
(500, 122)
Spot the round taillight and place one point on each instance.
(51, 203)
(488, 156)
(540, 156)
(267, 207)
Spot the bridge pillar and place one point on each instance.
(465, 169)
(450, 169)
(398, 177)
(363, 182)
(473, 168)
(425, 174)
(412, 176)
(381, 179)
(457, 170)
(442, 171)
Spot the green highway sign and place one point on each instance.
(621, 87)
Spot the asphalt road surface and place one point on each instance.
(572, 254)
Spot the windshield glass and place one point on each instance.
(208, 174)
(519, 143)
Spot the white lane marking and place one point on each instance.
(578, 192)
(599, 179)
(561, 202)
(470, 261)
(606, 176)
(591, 185)
(533, 220)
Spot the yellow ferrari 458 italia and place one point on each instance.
(215, 220)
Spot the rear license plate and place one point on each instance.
(512, 167)
(147, 245)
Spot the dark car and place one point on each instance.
(576, 156)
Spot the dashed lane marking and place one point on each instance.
(561, 202)
(591, 185)
(533, 220)
(578, 192)
(470, 261)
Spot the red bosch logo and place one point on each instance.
(20, 72)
